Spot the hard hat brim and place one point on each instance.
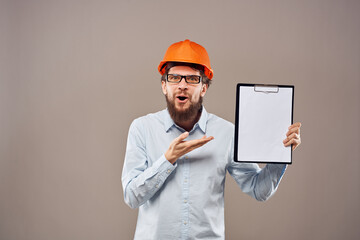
(208, 72)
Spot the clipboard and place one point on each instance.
(263, 115)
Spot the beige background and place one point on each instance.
(74, 74)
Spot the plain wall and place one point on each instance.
(74, 74)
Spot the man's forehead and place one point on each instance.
(184, 70)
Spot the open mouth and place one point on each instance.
(182, 99)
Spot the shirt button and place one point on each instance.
(168, 171)
(185, 201)
(157, 186)
(185, 222)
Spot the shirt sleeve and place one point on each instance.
(259, 183)
(139, 180)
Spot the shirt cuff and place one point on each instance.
(278, 169)
(164, 167)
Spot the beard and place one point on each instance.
(188, 114)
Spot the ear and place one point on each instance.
(163, 87)
(204, 88)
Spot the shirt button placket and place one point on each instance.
(185, 197)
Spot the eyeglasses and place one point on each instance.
(191, 79)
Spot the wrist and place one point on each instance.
(170, 158)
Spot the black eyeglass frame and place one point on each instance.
(183, 77)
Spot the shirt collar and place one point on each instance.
(169, 122)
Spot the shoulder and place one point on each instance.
(214, 120)
(149, 119)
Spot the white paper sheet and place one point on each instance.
(263, 120)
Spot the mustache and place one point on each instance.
(182, 93)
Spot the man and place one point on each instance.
(176, 159)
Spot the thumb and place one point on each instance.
(182, 137)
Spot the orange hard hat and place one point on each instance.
(188, 52)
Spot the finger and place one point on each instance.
(202, 140)
(288, 142)
(293, 130)
(297, 124)
(293, 141)
(182, 137)
(193, 147)
(188, 146)
(198, 142)
(296, 144)
(292, 136)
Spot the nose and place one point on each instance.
(182, 84)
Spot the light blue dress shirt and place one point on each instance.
(186, 200)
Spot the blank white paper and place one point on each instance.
(263, 121)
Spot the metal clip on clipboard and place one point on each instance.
(264, 88)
